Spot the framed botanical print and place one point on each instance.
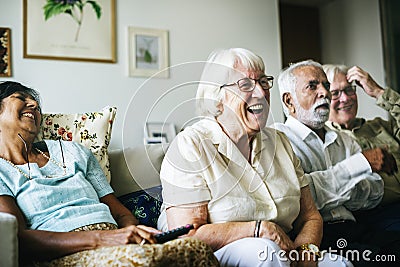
(82, 30)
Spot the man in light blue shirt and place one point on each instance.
(340, 177)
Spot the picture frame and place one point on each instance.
(5, 52)
(69, 30)
(148, 52)
(158, 132)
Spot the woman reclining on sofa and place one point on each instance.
(64, 204)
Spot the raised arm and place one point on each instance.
(390, 101)
(387, 99)
(365, 81)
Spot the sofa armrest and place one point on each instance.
(8, 240)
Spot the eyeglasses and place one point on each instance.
(248, 84)
(349, 91)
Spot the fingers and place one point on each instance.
(275, 233)
(147, 233)
(390, 165)
(381, 160)
(358, 75)
(365, 81)
(128, 235)
(395, 168)
(133, 235)
(375, 158)
(355, 74)
(387, 162)
(143, 234)
(148, 229)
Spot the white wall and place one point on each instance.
(351, 35)
(195, 29)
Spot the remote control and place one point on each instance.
(172, 234)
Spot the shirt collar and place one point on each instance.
(260, 142)
(217, 136)
(224, 143)
(214, 130)
(299, 128)
(304, 132)
(358, 122)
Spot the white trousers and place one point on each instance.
(253, 252)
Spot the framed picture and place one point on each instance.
(70, 30)
(5, 52)
(148, 52)
(158, 132)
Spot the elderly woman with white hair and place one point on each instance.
(236, 180)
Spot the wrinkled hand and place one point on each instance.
(275, 233)
(365, 81)
(128, 235)
(380, 160)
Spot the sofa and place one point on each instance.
(135, 180)
(132, 172)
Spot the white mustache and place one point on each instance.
(321, 102)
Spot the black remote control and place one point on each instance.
(172, 234)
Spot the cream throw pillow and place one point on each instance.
(91, 129)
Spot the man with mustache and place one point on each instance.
(341, 179)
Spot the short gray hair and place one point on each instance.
(8, 88)
(218, 70)
(331, 70)
(287, 80)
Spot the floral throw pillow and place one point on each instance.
(91, 129)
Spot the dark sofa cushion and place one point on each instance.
(144, 204)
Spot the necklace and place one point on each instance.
(62, 166)
(16, 167)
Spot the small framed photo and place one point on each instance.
(148, 52)
(5, 52)
(159, 133)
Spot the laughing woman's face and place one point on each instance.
(20, 112)
(248, 110)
